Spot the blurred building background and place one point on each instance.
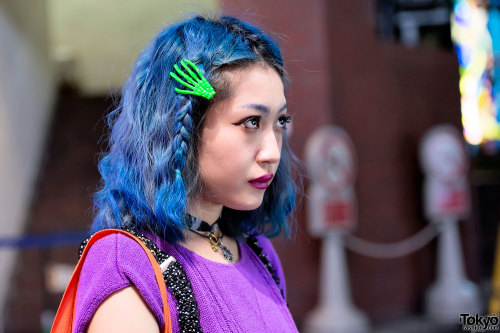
(382, 70)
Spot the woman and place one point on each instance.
(198, 165)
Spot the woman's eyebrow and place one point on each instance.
(262, 108)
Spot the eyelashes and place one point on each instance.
(253, 122)
(285, 120)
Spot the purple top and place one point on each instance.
(240, 297)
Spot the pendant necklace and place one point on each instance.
(200, 227)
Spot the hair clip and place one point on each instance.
(198, 83)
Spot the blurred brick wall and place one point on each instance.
(386, 96)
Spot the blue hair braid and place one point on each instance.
(170, 202)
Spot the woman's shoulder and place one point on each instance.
(116, 256)
(107, 263)
(112, 263)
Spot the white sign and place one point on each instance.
(445, 164)
(331, 164)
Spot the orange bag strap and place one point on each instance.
(63, 322)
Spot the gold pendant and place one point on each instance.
(214, 241)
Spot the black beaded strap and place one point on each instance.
(176, 280)
(259, 251)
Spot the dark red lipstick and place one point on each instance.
(262, 182)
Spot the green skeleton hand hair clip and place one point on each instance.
(198, 83)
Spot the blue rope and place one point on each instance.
(43, 240)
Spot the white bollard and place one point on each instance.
(451, 294)
(335, 311)
(331, 213)
(446, 200)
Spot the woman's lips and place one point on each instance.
(262, 182)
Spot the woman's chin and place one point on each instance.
(248, 205)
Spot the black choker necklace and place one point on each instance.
(198, 226)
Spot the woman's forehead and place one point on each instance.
(258, 85)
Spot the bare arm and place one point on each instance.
(124, 311)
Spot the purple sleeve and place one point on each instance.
(113, 263)
(268, 249)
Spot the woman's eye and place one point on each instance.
(252, 122)
(282, 121)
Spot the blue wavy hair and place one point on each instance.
(151, 168)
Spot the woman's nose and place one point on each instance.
(270, 148)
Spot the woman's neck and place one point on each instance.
(207, 212)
